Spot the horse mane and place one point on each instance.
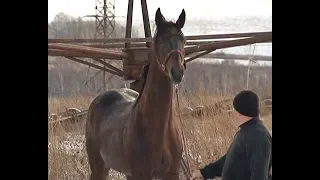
(144, 80)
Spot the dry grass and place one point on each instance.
(208, 137)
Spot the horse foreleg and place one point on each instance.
(99, 171)
(99, 174)
(137, 178)
(105, 173)
(171, 176)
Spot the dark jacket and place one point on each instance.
(249, 157)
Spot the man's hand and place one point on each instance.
(197, 175)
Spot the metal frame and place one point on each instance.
(196, 47)
(124, 48)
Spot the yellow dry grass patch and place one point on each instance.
(208, 137)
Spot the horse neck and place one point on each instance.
(155, 105)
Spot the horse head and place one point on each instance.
(169, 44)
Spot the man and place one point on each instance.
(249, 156)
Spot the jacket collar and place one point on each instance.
(250, 122)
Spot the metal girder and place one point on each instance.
(228, 44)
(96, 51)
(149, 39)
(94, 65)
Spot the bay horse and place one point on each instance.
(134, 133)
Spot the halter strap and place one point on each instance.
(162, 66)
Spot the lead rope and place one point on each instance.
(185, 163)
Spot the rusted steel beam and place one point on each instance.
(227, 36)
(109, 40)
(96, 51)
(198, 42)
(129, 22)
(116, 45)
(121, 45)
(237, 57)
(108, 65)
(224, 56)
(55, 52)
(93, 65)
(228, 44)
(146, 22)
(199, 55)
(123, 40)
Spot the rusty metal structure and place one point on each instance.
(134, 52)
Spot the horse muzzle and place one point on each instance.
(175, 66)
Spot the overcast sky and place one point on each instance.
(170, 8)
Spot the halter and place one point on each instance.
(162, 66)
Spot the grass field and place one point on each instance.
(208, 137)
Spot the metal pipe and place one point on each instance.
(93, 65)
(146, 22)
(129, 22)
(97, 51)
(196, 37)
(228, 44)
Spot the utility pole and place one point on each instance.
(105, 24)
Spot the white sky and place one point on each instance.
(169, 8)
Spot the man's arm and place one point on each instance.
(258, 150)
(213, 170)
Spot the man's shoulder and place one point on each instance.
(257, 133)
(258, 129)
(257, 136)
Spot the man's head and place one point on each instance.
(246, 106)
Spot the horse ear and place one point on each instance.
(159, 18)
(182, 19)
